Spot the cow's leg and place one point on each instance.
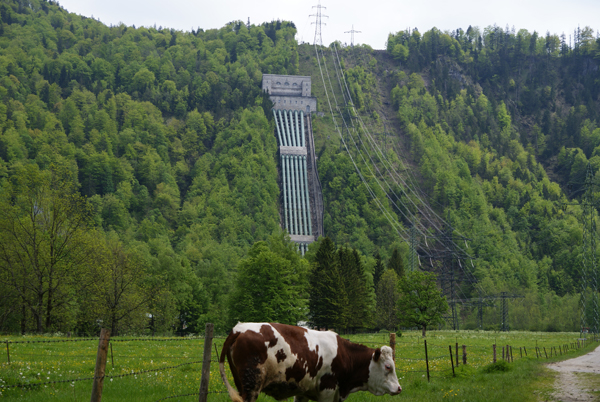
(250, 396)
(300, 398)
(329, 395)
(251, 382)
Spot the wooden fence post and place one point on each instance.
(427, 359)
(524, 348)
(451, 362)
(7, 353)
(208, 336)
(503, 357)
(494, 348)
(511, 355)
(546, 353)
(393, 344)
(456, 354)
(100, 365)
(464, 354)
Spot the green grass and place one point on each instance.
(41, 362)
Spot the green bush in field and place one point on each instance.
(498, 367)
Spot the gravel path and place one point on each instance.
(569, 386)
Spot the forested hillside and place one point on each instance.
(499, 128)
(139, 174)
(164, 133)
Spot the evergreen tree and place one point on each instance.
(327, 297)
(396, 263)
(387, 300)
(355, 283)
(378, 270)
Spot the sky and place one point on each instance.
(374, 20)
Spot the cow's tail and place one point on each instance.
(233, 394)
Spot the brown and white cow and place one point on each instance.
(284, 361)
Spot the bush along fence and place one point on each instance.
(104, 352)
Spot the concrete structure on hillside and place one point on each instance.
(290, 92)
(301, 197)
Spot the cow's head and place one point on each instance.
(382, 373)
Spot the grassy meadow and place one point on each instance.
(33, 363)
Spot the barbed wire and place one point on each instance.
(110, 376)
(177, 396)
(419, 359)
(186, 338)
(54, 340)
(15, 357)
(37, 384)
(424, 371)
(194, 394)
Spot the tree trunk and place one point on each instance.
(23, 317)
(113, 323)
(49, 308)
(424, 329)
(38, 319)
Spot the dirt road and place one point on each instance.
(570, 385)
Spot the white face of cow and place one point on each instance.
(382, 374)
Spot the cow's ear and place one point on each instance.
(376, 355)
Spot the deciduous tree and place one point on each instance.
(421, 302)
(45, 240)
(271, 284)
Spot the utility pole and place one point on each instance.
(504, 327)
(352, 32)
(448, 278)
(318, 16)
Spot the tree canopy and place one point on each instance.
(421, 302)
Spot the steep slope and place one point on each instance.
(476, 164)
(165, 133)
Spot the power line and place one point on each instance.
(395, 225)
(450, 246)
(416, 203)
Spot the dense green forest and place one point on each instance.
(139, 175)
(500, 128)
(165, 135)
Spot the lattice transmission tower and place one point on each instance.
(412, 257)
(589, 269)
(318, 22)
(352, 32)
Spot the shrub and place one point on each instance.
(500, 366)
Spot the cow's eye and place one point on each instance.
(388, 367)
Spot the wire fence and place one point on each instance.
(412, 358)
(132, 355)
